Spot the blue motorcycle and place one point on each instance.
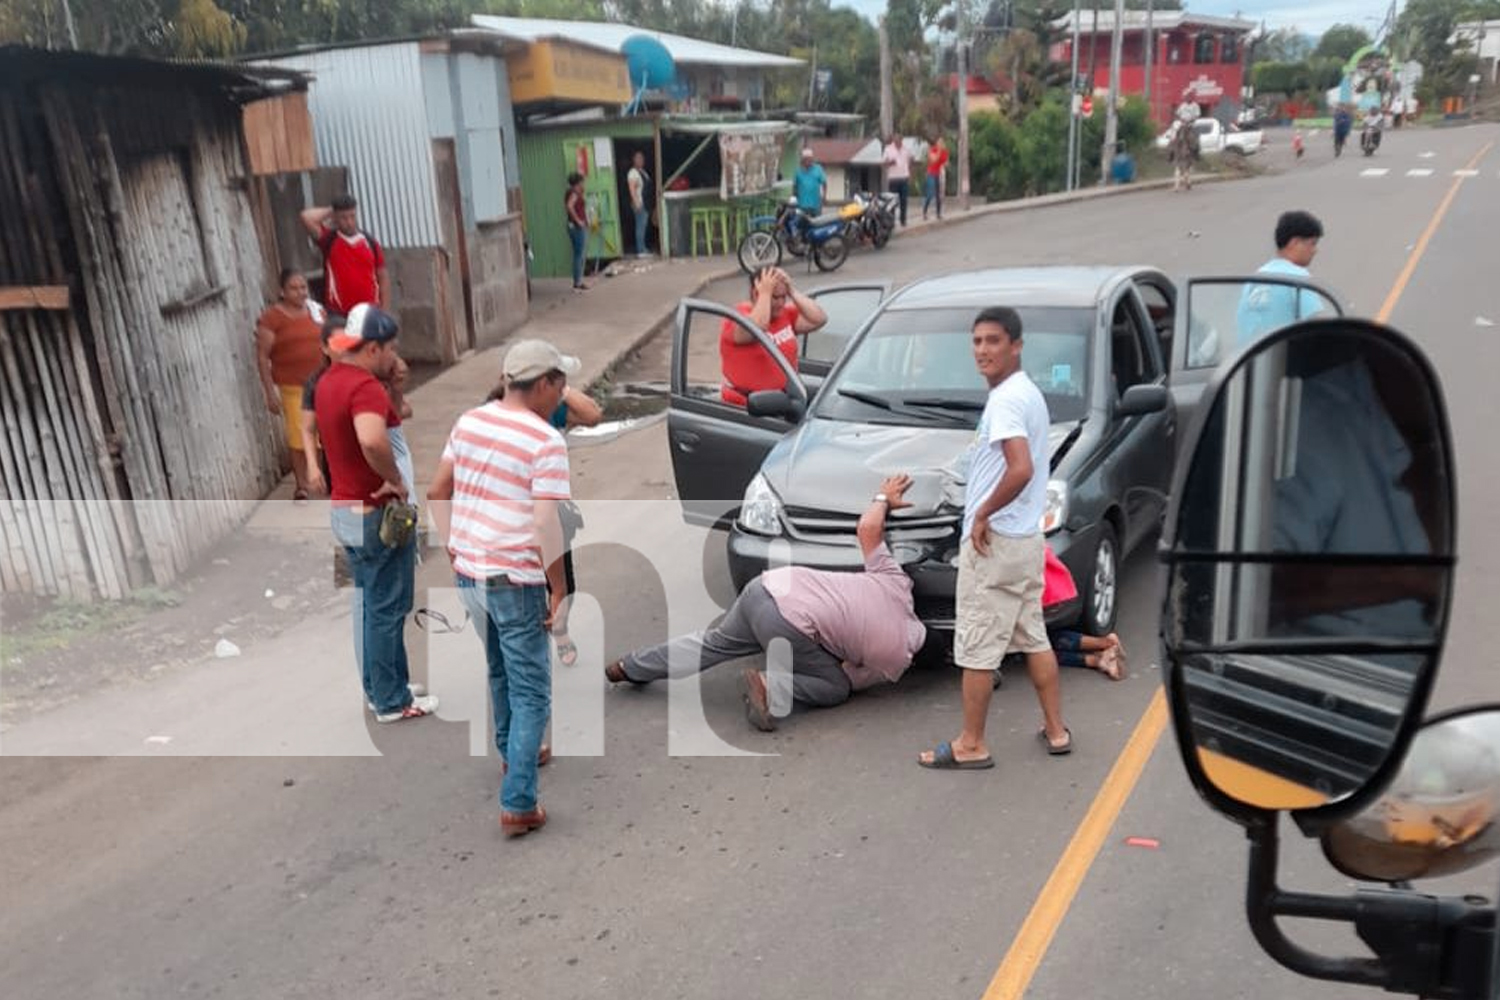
(792, 230)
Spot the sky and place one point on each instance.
(1312, 17)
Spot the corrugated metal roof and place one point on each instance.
(370, 114)
(842, 151)
(237, 82)
(610, 36)
(1161, 20)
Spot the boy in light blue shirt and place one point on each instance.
(1265, 308)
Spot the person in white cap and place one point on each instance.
(495, 501)
(811, 183)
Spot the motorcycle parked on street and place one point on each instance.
(792, 230)
(871, 218)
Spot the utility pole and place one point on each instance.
(1112, 114)
(1073, 103)
(812, 79)
(963, 113)
(1150, 58)
(887, 114)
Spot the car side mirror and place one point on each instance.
(1139, 400)
(1310, 554)
(774, 403)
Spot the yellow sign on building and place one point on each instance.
(557, 70)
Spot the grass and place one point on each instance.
(67, 622)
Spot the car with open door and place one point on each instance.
(1310, 552)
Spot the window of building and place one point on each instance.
(1203, 49)
(1229, 51)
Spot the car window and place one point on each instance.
(927, 355)
(847, 310)
(1159, 308)
(1225, 315)
(1132, 362)
(1204, 128)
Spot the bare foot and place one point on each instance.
(1119, 650)
(1109, 663)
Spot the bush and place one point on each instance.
(1012, 160)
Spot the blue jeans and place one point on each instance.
(933, 192)
(642, 220)
(510, 620)
(382, 598)
(577, 235)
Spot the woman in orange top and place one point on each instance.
(288, 340)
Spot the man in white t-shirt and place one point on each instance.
(1002, 556)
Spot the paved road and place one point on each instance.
(831, 867)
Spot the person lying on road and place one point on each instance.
(847, 631)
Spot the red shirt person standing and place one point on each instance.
(353, 262)
(783, 312)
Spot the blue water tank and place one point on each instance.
(650, 64)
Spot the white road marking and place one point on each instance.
(1465, 173)
(1419, 172)
(1426, 156)
(1374, 172)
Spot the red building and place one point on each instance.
(1197, 56)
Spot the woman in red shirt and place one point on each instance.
(288, 340)
(783, 312)
(578, 226)
(937, 159)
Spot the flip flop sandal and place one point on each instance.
(1053, 749)
(300, 497)
(757, 704)
(943, 760)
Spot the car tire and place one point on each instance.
(1101, 596)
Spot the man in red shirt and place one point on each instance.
(355, 415)
(353, 262)
(783, 312)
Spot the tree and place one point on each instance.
(1341, 41)
(1284, 45)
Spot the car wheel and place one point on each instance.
(759, 249)
(1102, 599)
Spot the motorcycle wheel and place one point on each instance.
(829, 255)
(759, 249)
(883, 232)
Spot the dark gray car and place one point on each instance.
(890, 385)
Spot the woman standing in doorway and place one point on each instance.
(578, 226)
(289, 349)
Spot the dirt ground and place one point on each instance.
(52, 652)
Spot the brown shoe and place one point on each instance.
(757, 704)
(520, 824)
(615, 674)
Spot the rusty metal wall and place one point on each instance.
(370, 114)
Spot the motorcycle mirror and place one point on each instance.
(1310, 566)
(1439, 814)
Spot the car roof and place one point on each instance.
(1018, 287)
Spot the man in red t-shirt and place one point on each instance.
(783, 312)
(353, 262)
(355, 416)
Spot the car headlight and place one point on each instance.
(761, 510)
(1056, 513)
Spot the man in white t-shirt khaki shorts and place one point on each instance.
(1002, 556)
(494, 500)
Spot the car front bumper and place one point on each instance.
(932, 568)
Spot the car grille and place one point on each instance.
(937, 612)
(830, 528)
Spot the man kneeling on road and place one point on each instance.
(847, 631)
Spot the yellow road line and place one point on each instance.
(1052, 903)
(1421, 245)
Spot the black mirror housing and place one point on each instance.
(774, 403)
(1140, 400)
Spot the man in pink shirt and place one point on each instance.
(847, 631)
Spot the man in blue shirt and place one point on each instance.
(1266, 308)
(811, 184)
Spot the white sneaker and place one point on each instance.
(424, 705)
(417, 691)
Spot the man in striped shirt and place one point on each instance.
(495, 500)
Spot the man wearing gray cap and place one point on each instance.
(494, 499)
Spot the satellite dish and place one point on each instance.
(650, 66)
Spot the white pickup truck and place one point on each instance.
(1214, 138)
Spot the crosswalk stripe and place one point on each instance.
(1419, 172)
(1374, 172)
(1465, 173)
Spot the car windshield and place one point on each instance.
(917, 367)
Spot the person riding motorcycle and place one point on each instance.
(1369, 136)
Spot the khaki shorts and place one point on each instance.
(999, 602)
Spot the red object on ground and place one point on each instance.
(1150, 843)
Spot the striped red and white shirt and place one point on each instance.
(504, 460)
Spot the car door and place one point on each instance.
(717, 447)
(849, 307)
(1207, 327)
(1138, 469)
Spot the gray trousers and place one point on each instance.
(749, 627)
